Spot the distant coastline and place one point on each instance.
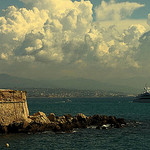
(82, 97)
(70, 93)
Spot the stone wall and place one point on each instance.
(13, 106)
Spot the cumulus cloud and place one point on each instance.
(57, 7)
(64, 32)
(148, 19)
(132, 34)
(115, 11)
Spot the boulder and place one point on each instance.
(69, 118)
(112, 120)
(52, 117)
(66, 127)
(105, 126)
(56, 128)
(27, 122)
(34, 127)
(79, 122)
(61, 119)
(121, 121)
(15, 127)
(81, 117)
(94, 120)
(39, 122)
(3, 129)
(40, 118)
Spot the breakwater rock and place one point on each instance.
(39, 122)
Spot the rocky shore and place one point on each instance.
(39, 122)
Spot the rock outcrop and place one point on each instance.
(14, 117)
(39, 122)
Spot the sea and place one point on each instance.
(134, 137)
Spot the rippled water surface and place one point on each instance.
(129, 138)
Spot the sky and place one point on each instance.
(104, 40)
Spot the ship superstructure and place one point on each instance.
(144, 97)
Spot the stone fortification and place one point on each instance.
(13, 106)
(14, 117)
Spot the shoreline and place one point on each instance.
(84, 97)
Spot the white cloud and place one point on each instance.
(16, 24)
(148, 19)
(26, 58)
(132, 34)
(4, 56)
(63, 32)
(56, 7)
(115, 11)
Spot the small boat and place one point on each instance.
(68, 101)
(144, 97)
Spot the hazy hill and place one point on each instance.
(7, 81)
(80, 83)
(137, 83)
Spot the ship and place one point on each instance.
(144, 97)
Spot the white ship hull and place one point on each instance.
(143, 98)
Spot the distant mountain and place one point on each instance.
(7, 81)
(88, 84)
(137, 82)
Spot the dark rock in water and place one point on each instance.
(105, 122)
(81, 117)
(121, 121)
(80, 121)
(69, 118)
(39, 122)
(52, 117)
(57, 128)
(15, 127)
(112, 120)
(66, 127)
(36, 127)
(105, 126)
(3, 129)
(95, 120)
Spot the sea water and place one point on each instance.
(136, 137)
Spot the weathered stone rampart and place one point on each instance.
(13, 106)
(14, 117)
